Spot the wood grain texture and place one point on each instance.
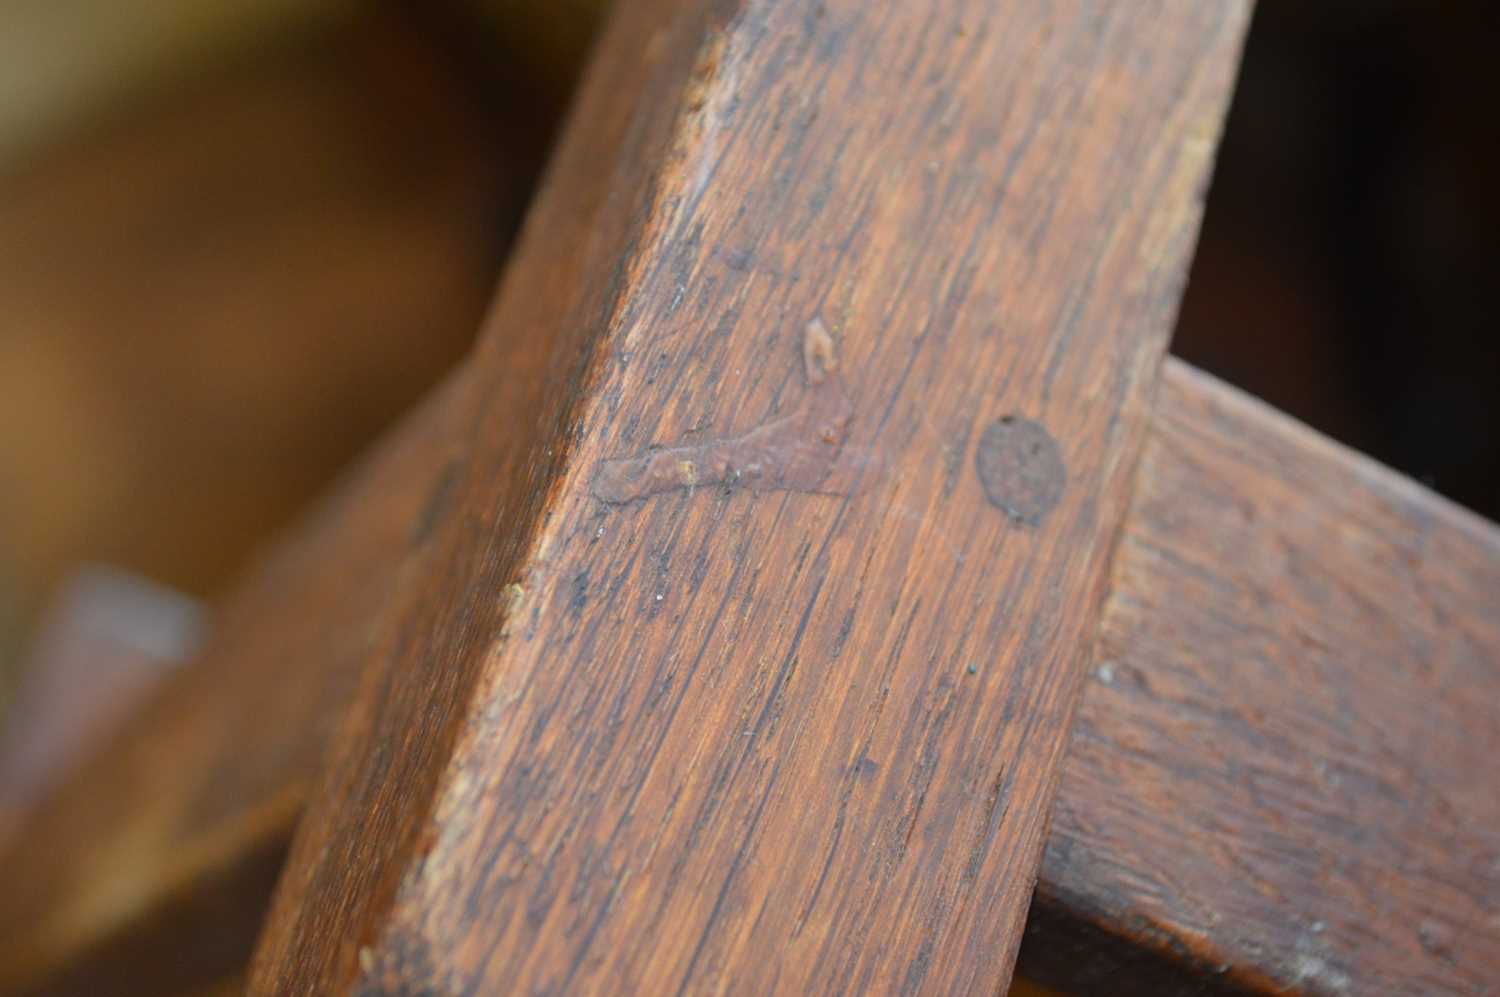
(1113, 909)
(1282, 777)
(772, 737)
(211, 778)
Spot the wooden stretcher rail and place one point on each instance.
(1283, 776)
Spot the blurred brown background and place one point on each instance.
(239, 238)
(1349, 250)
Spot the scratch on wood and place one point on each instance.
(803, 450)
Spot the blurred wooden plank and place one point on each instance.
(67, 64)
(216, 300)
(201, 790)
(780, 705)
(108, 640)
(1283, 776)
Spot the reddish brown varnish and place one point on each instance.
(214, 301)
(774, 739)
(1283, 776)
(792, 740)
(1127, 820)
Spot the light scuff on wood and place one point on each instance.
(801, 451)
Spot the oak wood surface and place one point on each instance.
(1283, 775)
(1083, 260)
(1108, 911)
(786, 715)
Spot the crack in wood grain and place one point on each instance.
(802, 451)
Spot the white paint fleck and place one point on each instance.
(1308, 964)
(1307, 968)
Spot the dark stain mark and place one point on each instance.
(801, 561)
(1436, 939)
(926, 763)
(438, 501)
(833, 850)
(1021, 468)
(700, 569)
(738, 259)
(801, 451)
(995, 805)
(580, 597)
(845, 629)
(917, 971)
